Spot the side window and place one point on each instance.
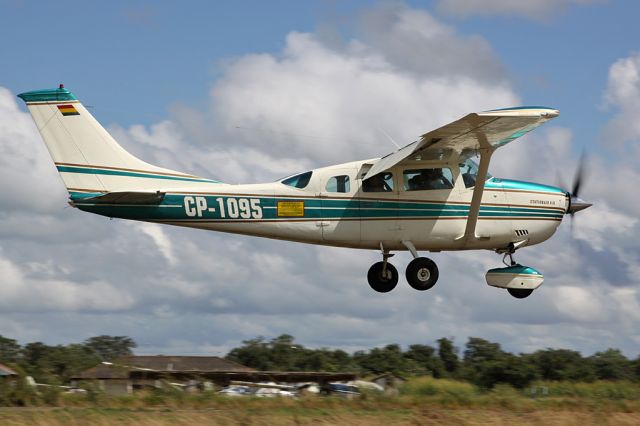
(427, 179)
(298, 181)
(469, 172)
(382, 182)
(338, 184)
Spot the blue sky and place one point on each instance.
(310, 84)
(156, 54)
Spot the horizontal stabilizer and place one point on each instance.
(125, 197)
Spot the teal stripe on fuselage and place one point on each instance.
(96, 171)
(497, 183)
(173, 207)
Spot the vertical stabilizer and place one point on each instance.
(87, 156)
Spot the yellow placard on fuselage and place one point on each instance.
(290, 208)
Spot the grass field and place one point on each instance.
(422, 401)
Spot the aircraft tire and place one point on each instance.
(422, 273)
(378, 282)
(520, 293)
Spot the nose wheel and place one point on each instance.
(520, 293)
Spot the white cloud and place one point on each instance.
(623, 94)
(579, 303)
(160, 238)
(22, 293)
(537, 10)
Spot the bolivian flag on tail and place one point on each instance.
(68, 110)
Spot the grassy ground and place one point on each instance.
(421, 402)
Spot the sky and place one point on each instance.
(252, 91)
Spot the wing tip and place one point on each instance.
(541, 111)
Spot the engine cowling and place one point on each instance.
(515, 277)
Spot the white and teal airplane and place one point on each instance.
(427, 196)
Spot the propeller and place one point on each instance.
(577, 204)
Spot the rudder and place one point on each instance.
(87, 157)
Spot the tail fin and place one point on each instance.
(85, 154)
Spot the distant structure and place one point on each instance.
(191, 373)
(389, 380)
(7, 373)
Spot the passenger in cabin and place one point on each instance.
(377, 183)
(429, 179)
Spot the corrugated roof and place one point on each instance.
(6, 371)
(169, 363)
(161, 363)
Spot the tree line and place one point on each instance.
(57, 364)
(480, 361)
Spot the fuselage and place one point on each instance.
(330, 206)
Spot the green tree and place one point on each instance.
(448, 354)
(422, 360)
(486, 364)
(562, 364)
(10, 350)
(381, 360)
(612, 365)
(110, 348)
(56, 364)
(253, 353)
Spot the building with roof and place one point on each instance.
(189, 372)
(6, 372)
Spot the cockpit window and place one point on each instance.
(382, 182)
(298, 181)
(469, 171)
(426, 179)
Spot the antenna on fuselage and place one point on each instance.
(389, 137)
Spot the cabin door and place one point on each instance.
(340, 219)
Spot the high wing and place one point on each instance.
(477, 133)
(473, 132)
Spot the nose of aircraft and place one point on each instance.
(576, 204)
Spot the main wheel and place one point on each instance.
(382, 283)
(422, 273)
(520, 293)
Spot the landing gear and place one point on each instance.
(383, 277)
(422, 273)
(519, 280)
(519, 293)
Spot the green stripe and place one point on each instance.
(96, 171)
(315, 208)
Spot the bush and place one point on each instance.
(447, 391)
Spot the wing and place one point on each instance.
(480, 133)
(473, 132)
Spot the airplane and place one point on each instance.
(429, 195)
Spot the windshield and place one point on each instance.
(298, 181)
(469, 171)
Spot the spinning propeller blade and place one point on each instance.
(576, 203)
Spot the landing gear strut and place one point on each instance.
(518, 293)
(383, 276)
(422, 273)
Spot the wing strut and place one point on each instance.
(486, 151)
